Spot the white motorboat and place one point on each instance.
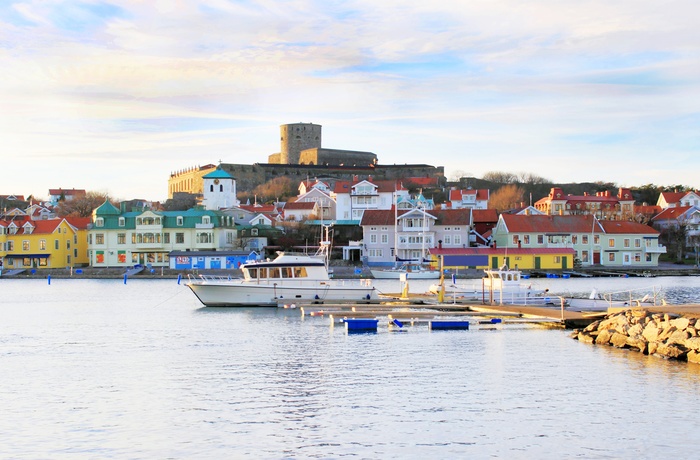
(289, 278)
(412, 272)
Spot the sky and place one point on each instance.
(114, 96)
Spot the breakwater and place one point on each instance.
(667, 335)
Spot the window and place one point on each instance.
(596, 239)
(637, 256)
(540, 239)
(526, 239)
(574, 239)
(180, 221)
(25, 245)
(179, 238)
(458, 239)
(611, 257)
(42, 245)
(448, 239)
(122, 222)
(637, 243)
(166, 238)
(99, 238)
(55, 244)
(385, 238)
(375, 253)
(516, 239)
(648, 257)
(626, 242)
(584, 239)
(11, 246)
(121, 238)
(584, 256)
(373, 238)
(611, 242)
(557, 259)
(99, 222)
(206, 219)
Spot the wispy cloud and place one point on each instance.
(571, 90)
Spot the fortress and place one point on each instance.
(301, 156)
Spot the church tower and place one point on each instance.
(219, 190)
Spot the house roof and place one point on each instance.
(106, 208)
(672, 197)
(345, 186)
(66, 192)
(484, 215)
(218, 173)
(621, 226)
(481, 194)
(442, 216)
(672, 213)
(299, 205)
(550, 224)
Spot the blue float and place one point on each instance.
(397, 323)
(361, 325)
(447, 325)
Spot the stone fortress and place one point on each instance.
(302, 156)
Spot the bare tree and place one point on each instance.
(507, 197)
(82, 206)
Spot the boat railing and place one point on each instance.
(211, 278)
(651, 296)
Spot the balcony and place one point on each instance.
(655, 250)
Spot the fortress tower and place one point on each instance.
(297, 137)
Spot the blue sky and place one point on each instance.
(115, 95)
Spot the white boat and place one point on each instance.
(288, 279)
(412, 272)
(504, 286)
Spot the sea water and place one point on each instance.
(103, 369)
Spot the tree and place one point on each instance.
(507, 197)
(500, 177)
(82, 206)
(279, 188)
(180, 202)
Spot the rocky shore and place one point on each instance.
(667, 335)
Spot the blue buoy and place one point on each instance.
(179, 278)
(446, 325)
(49, 279)
(496, 320)
(398, 323)
(125, 278)
(361, 325)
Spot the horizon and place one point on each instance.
(115, 96)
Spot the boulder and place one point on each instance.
(680, 323)
(651, 347)
(693, 343)
(585, 338)
(603, 337)
(619, 340)
(671, 351)
(693, 357)
(637, 342)
(666, 333)
(592, 327)
(678, 337)
(651, 332)
(635, 330)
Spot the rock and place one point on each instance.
(693, 357)
(635, 330)
(651, 332)
(603, 337)
(671, 351)
(678, 337)
(666, 333)
(619, 340)
(692, 331)
(637, 342)
(585, 338)
(651, 347)
(680, 323)
(693, 343)
(592, 327)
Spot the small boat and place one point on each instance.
(289, 278)
(412, 272)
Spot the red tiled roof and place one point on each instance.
(549, 224)
(66, 192)
(672, 213)
(621, 226)
(673, 197)
(266, 208)
(345, 186)
(81, 223)
(299, 205)
(484, 215)
(481, 194)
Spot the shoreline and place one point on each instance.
(341, 272)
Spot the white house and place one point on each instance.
(469, 198)
(353, 198)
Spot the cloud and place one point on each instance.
(542, 84)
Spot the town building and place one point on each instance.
(596, 242)
(469, 198)
(57, 195)
(603, 205)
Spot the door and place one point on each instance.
(537, 263)
(494, 262)
(564, 263)
(596, 258)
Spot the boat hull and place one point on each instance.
(413, 275)
(242, 294)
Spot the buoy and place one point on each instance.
(179, 278)
(49, 278)
(398, 323)
(125, 278)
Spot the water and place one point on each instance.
(99, 369)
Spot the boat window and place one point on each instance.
(300, 272)
(263, 272)
(496, 275)
(274, 273)
(286, 272)
(253, 272)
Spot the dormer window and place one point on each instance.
(206, 219)
(122, 222)
(179, 221)
(99, 222)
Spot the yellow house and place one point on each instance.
(518, 258)
(52, 243)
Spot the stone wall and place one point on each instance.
(337, 157)
(667, 335)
